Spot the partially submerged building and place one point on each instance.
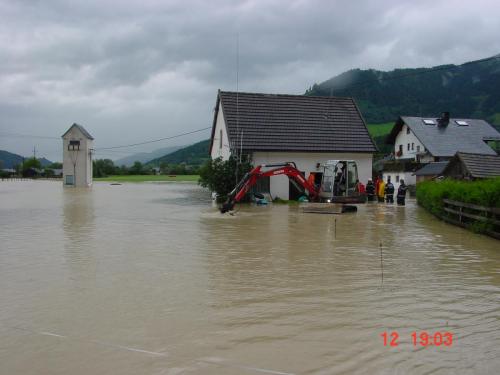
(468, 166)
(77, 157)
(275, 128)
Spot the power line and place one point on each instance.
(154, 140)
(17, 135)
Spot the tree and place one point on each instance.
(137, 168)
(55, 165)
(103, 167)
(31, 163)
(220, 176)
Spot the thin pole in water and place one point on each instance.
(335, 228)
(381, 262)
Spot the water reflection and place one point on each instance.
(78, 213)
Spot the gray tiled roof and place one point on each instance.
(446, 141)
(81, 128)
(432, 169)
(480, 166)
(294, 123)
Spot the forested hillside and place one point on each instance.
(194, 155)
(468, 90)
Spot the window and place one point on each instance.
(429, 122)
(461, 123)
(220, 140)
(400, 151)
(412, 146)
(397, 178)
(70, 179)
(408, 147)
(74, 145)
(418, 148)
(408, 130)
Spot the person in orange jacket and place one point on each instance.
(381, 191)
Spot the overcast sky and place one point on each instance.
(131, 71)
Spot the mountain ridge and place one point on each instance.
(468, 90)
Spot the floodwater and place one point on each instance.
(151, 279)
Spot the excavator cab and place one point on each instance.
(339, 182)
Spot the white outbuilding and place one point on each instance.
(77, 157)
(276, 128)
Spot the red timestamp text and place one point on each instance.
(420, 338)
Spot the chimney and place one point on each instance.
(444, 120)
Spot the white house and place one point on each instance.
(428, 139)
(306, 130)
(77, 157)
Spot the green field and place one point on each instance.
(149, 178)
(376, 130)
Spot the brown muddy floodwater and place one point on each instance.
(151, 279)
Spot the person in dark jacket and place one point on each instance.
(402, 193)
(389, 191)
(370, 190)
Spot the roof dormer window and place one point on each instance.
(429, 122)
(462, 123)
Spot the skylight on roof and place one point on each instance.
(429, 122)
(461, 122)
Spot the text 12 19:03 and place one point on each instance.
(419, 338)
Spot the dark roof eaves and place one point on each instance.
(82, 130)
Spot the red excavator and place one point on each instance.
(337, 182)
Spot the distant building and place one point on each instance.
(466, 166)
(77, 157)
(8, 172)
(426, 140)
(275, 128)
(57, 172)
(430, 171)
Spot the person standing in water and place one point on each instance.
(401, 193)
(381, 191)
(389, 191)
(370, 190)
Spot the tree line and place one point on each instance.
(106, 167)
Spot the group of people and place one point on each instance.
(384, 191)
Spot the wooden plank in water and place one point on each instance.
(322, 208)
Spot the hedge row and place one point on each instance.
(430, 194)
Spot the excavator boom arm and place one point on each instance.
(255, 174)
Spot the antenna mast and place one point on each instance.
(238, 159)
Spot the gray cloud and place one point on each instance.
(135, 70)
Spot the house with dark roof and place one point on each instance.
(428, 139)
(468, 166)
(276, 128)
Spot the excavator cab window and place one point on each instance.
(352, 177)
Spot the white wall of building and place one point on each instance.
(77, 163)
(220, 149)
(408, 177)
(306, 162)
(407, 139)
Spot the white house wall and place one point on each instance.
(408, 177)
(407, 139)
(220, 127)
(306, 162)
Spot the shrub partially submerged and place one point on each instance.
(430, 194)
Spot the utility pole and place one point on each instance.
(34, 152)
